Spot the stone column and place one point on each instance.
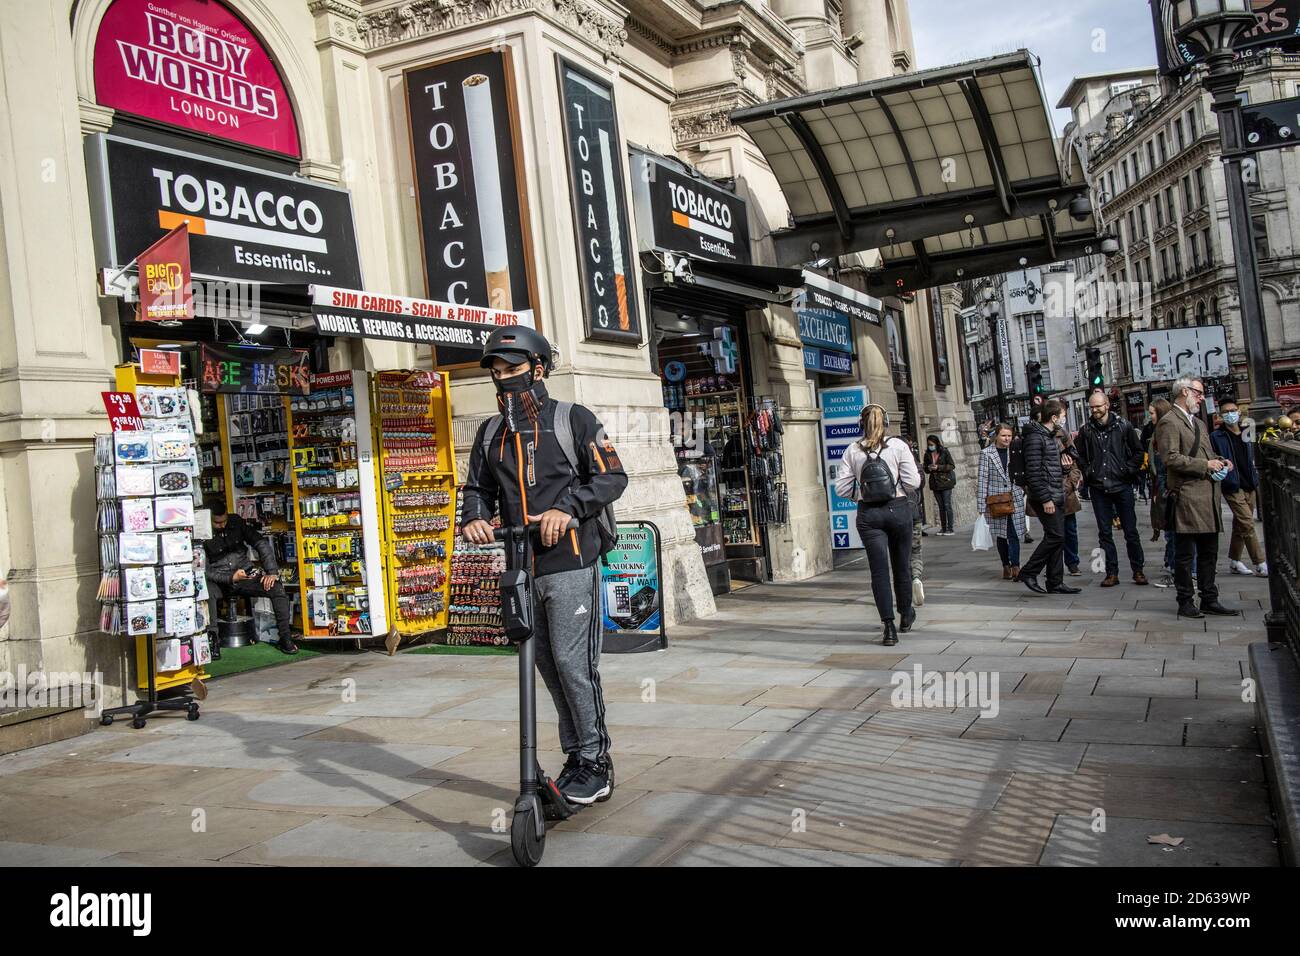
(801, 547)
(54, 359)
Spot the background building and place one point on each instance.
(1152, 146)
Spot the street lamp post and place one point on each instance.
(1214, 26)
(991, 313)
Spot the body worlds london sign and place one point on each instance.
(195, 65)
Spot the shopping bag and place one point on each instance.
(981, 539)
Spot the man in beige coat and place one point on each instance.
(1194, 473)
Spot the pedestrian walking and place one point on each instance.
(1000, 500)
(1193, 496)
(1073, 478)
(877, 471)
(1110, 457)
(1156, 466)
(1239, 490)
(943, 479)
(917, 498)
(1046, 495)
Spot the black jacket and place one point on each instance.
(494, 481)
(943, 475)
(1110, 454)
(1043, 478)
(227, 550)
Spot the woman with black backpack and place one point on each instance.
(878, 472)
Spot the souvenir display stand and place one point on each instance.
(418, 466)
(474, 614)
(335, 500)
(152, 574)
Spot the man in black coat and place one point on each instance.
(1045, 489)
(1110, 457)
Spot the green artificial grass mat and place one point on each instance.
(251, 657)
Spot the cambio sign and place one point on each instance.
(245, 224)
(193, 64)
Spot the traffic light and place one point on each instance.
(1096, 379)
(1034, 376)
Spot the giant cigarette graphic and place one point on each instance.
(615, 237)
(481, 125)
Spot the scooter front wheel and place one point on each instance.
(526, 845)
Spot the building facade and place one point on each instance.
(1153, 149)
(673, 73)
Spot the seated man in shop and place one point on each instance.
(231, 571)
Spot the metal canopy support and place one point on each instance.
(1049, 234)
(989, 139)
(943, 267)
(799, 126)
(918, 244)
(916, 219)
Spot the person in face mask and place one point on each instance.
(519, 465)
(943, 479)
(1239, 490)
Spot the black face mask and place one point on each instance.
(515, 384)
(520, 398)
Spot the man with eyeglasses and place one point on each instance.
(1110, 457)
(1193, 498)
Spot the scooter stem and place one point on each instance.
(527, 718)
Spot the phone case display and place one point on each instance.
(414, 426)
(474, 614)
(726, 440)
(257, 459)
(335, 506)
(211, 450)
(763, 431)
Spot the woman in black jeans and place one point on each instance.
(943, 479)
(886, 526)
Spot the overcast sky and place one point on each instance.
(1060, 32)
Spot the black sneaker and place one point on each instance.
(571, 766)
(589, 783)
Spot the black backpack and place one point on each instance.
(606, 524)
(876, 483)
(1016, 463)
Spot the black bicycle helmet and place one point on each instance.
(516, 343)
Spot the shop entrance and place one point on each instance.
(722, 438)
(349, 475)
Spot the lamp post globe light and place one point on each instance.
(1214, 26)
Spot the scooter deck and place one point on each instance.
(554, 805)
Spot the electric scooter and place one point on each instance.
(540, 800)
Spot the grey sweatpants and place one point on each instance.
(566, 608)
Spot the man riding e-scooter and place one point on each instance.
(542, 470)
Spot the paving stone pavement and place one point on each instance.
(766, 735)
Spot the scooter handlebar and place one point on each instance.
(500, 534)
